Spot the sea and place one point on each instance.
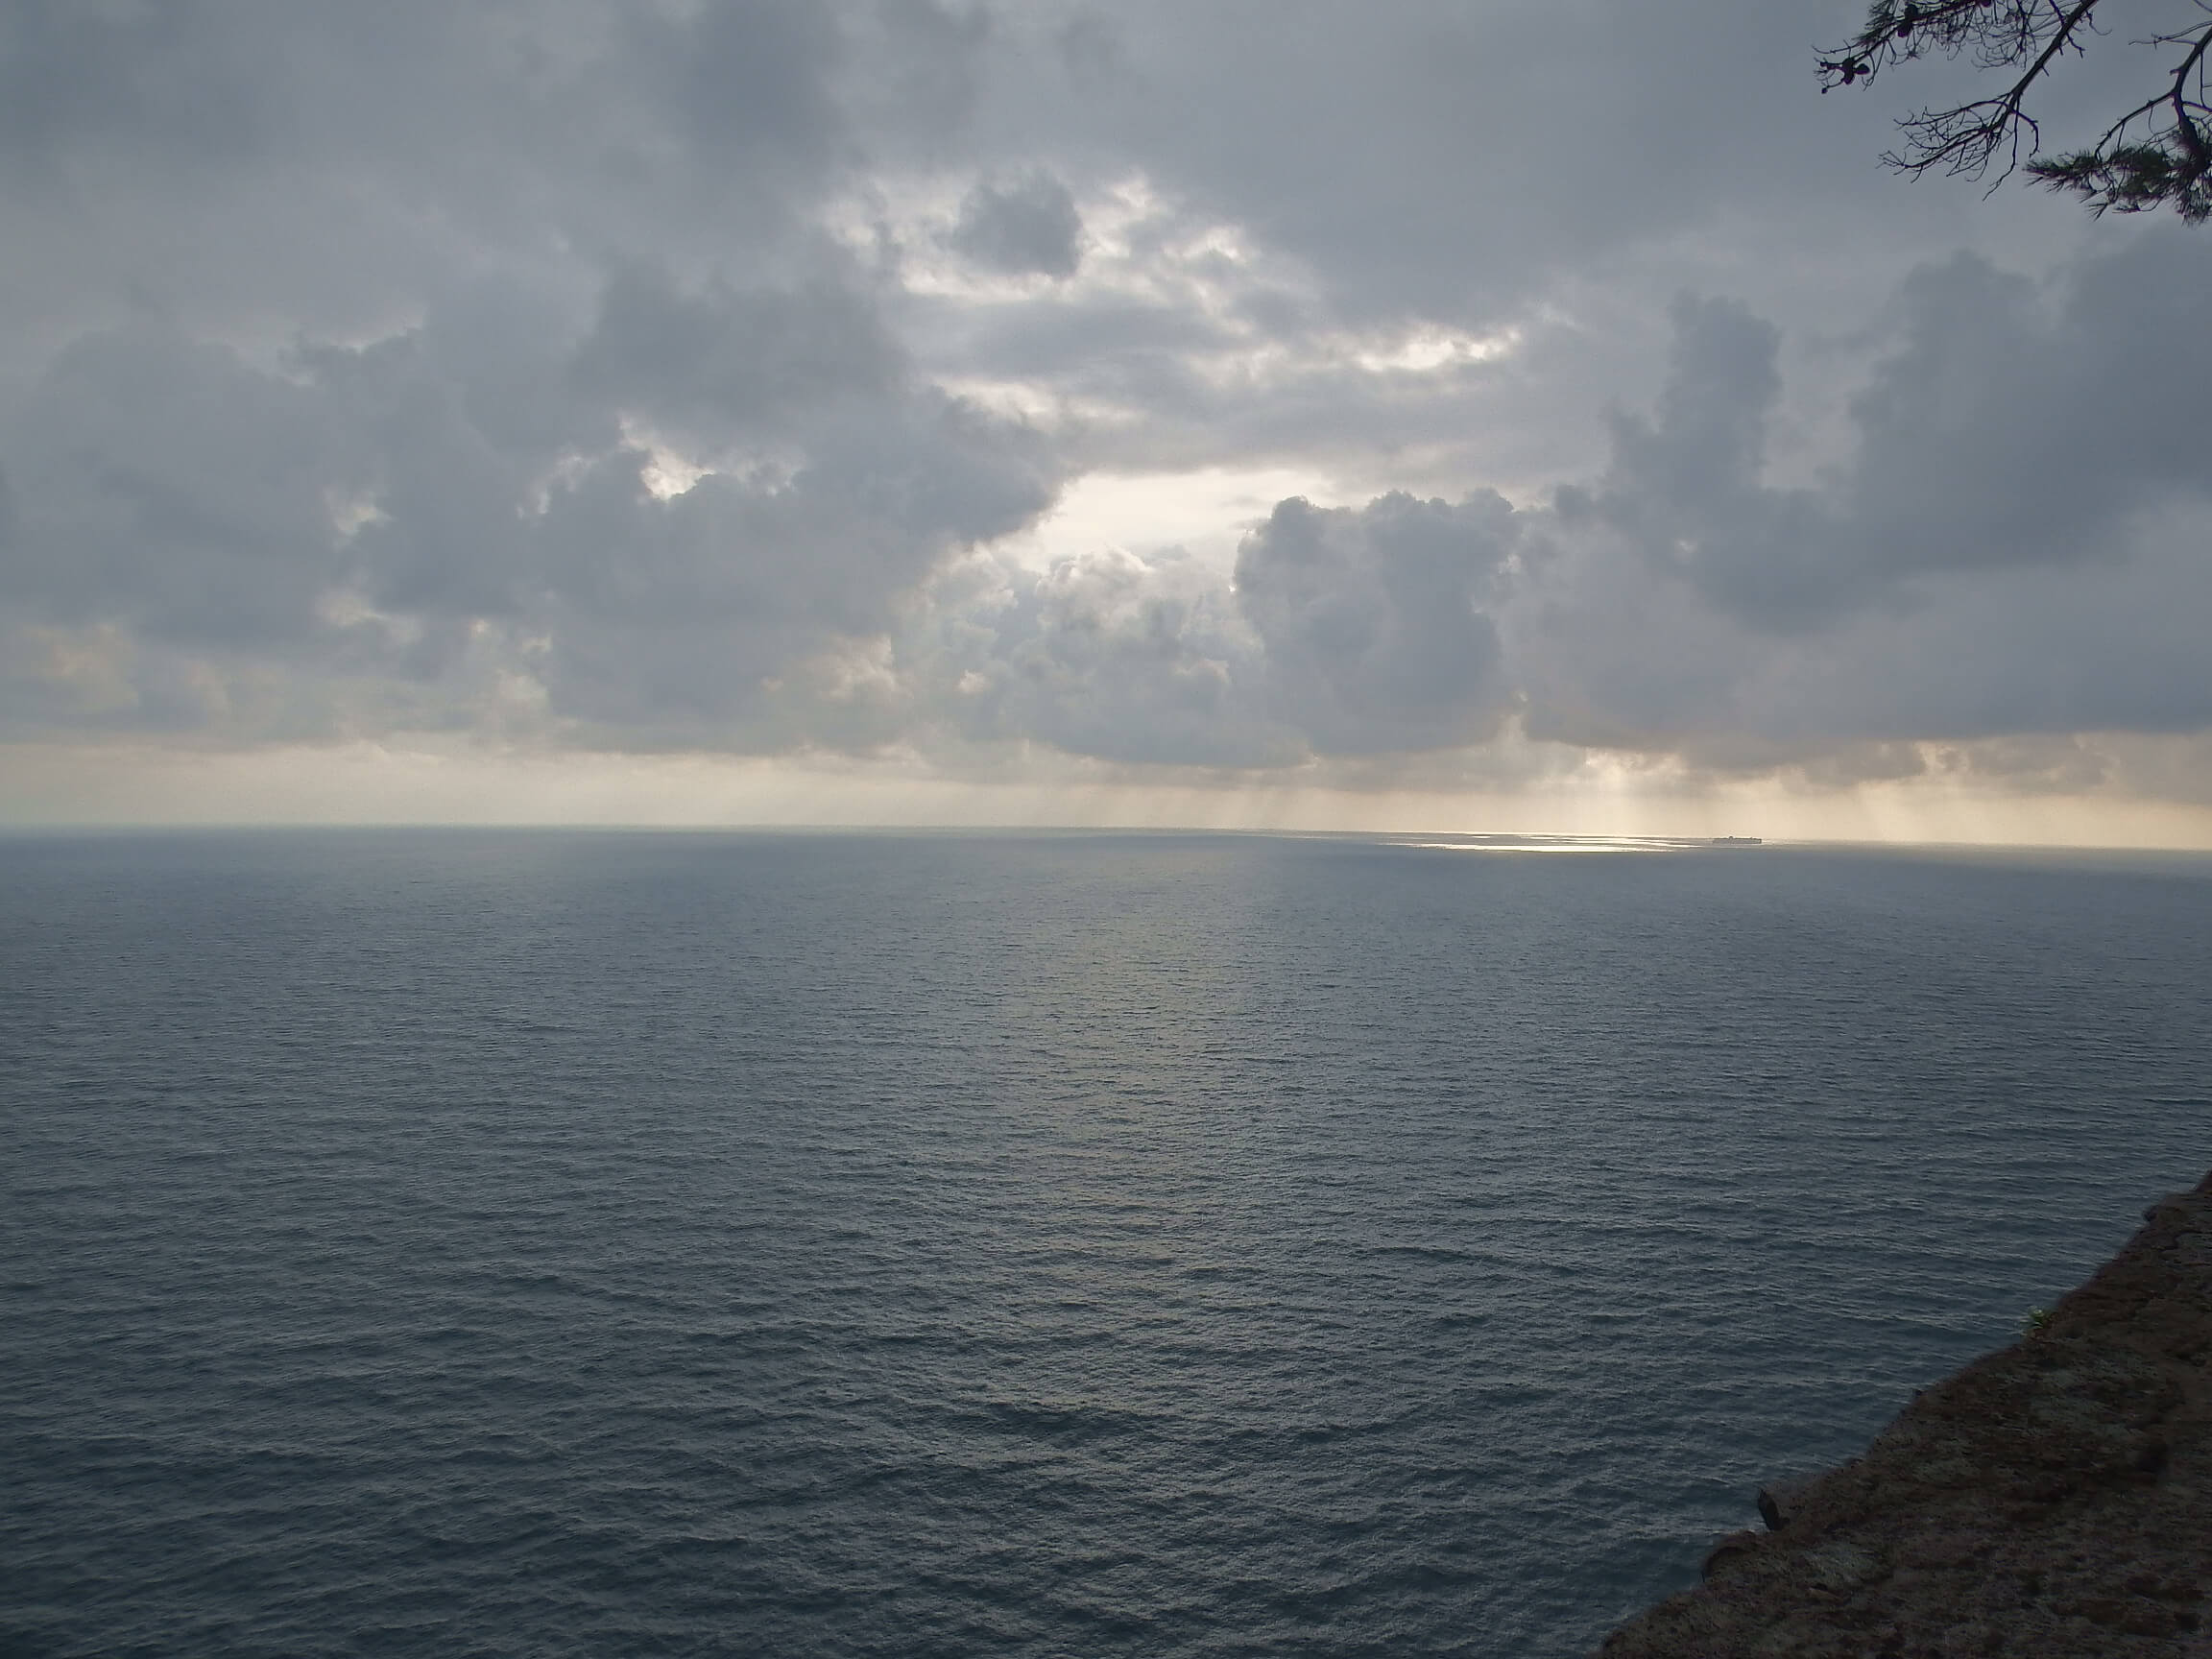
(827, 1244)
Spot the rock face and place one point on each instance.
(1781, 1500)
(2054, 1498)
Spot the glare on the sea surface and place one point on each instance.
(1565, 844)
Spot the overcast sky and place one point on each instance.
(1462, 414)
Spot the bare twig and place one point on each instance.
(2157, 154)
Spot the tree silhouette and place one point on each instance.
(2157, 154)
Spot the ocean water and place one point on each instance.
(811, 1245)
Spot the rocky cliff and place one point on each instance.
(2053, 1498)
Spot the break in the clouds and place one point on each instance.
(715, 376)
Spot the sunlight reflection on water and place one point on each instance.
(1171, 1246)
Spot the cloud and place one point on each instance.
(746, 79)
(643, 377)
(160, 483)
(1685, 486)
(163, 83)
(1345, 632)
(474, 522)
(1394, 157)
(1113, 656)
(2003, 430)
(1373, 620)
(1027, 227)
(2007, 547)
(168, 489)
(665, 620)
(722, 365)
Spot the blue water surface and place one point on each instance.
(560, 1243)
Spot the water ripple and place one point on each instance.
(1177, 1246)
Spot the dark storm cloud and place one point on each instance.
(2002, 429)
(678, 612)
(178, 81)
(747, 79)
(164, 484)
(2006, 430)
(724, 363)
(1439, 158)
(170, 488)
(1686, 484)
(469, 496)
(1374, 621)
(2011, 544)
(1027, 225)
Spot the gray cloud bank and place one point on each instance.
(664, 377)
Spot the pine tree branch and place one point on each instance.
(2168, 164)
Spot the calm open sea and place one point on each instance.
(546, 1243)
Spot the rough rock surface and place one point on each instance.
(2053, 1498)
